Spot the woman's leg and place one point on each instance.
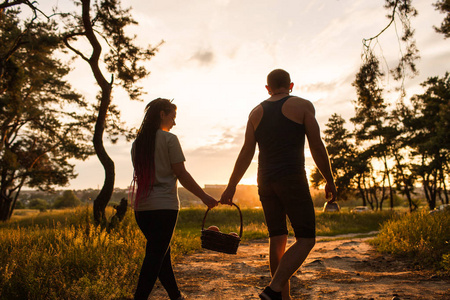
(167, 278)
(157, 227)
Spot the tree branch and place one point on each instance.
(384, 29)
(66, 42)
(7, 3)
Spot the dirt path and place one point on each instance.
(347, 268)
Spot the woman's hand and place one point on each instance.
(209, 201)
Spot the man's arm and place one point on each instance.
(242, 163)
(318, 150)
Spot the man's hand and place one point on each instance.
(330, 190)
(209, 201)
(227, 195)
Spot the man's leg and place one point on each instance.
(277, 248)
(291, 261)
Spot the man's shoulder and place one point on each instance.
(299, 101)
(256, 110)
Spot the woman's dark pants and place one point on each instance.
(158, 227)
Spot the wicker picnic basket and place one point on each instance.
(219, 241)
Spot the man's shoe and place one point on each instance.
(269, 294)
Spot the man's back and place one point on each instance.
(281, 141)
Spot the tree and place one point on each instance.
(341, 153)
(429, 136)
(400, 10)
(369, 120)
(67, 199)
(371, 111)
(108, 21)
(361, 166)
(38, 203)
(444, 7)
(38, 129)
(385, 135)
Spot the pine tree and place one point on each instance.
(38, 129)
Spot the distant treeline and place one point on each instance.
(246, 197)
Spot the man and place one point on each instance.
(279, 126)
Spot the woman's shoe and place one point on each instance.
(182, 297)
(269, 294)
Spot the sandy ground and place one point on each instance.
(344, 268)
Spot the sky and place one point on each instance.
(215, 59)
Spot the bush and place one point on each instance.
(38, 203)
(19, 205)
(422, 236)
(68, 199)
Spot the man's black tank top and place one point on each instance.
(281, 143)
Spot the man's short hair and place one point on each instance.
(278, 78)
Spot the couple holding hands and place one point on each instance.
(279, 125)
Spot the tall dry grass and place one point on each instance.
(421, 236)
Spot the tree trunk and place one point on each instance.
(361, 192)
(391, 192)
(368, 194)
(430, 190)
(444, 186)
(405, 183)
(7, 202)
(104, 196)
(383, 191)
(5, 207)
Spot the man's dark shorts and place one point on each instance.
(289, 196)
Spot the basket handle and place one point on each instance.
(240, 216)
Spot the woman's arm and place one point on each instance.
(191, 185)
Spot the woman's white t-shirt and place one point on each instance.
(164, 194)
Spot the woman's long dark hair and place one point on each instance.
(144, 145)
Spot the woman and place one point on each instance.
(158, 162)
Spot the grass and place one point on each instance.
(67, 258)
(421, 236)
(331, 224)
(61, 255)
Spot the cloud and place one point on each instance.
(227, 143)
(204, 57)
(319, 86)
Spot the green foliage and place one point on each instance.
(421, 236)
(330, 223)
(427, 123)
(39, 130)
(401, 11)
(19, 205)
(444, 7)
(341, 153)
(38, 203)
(67, 199)
(445, 264)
